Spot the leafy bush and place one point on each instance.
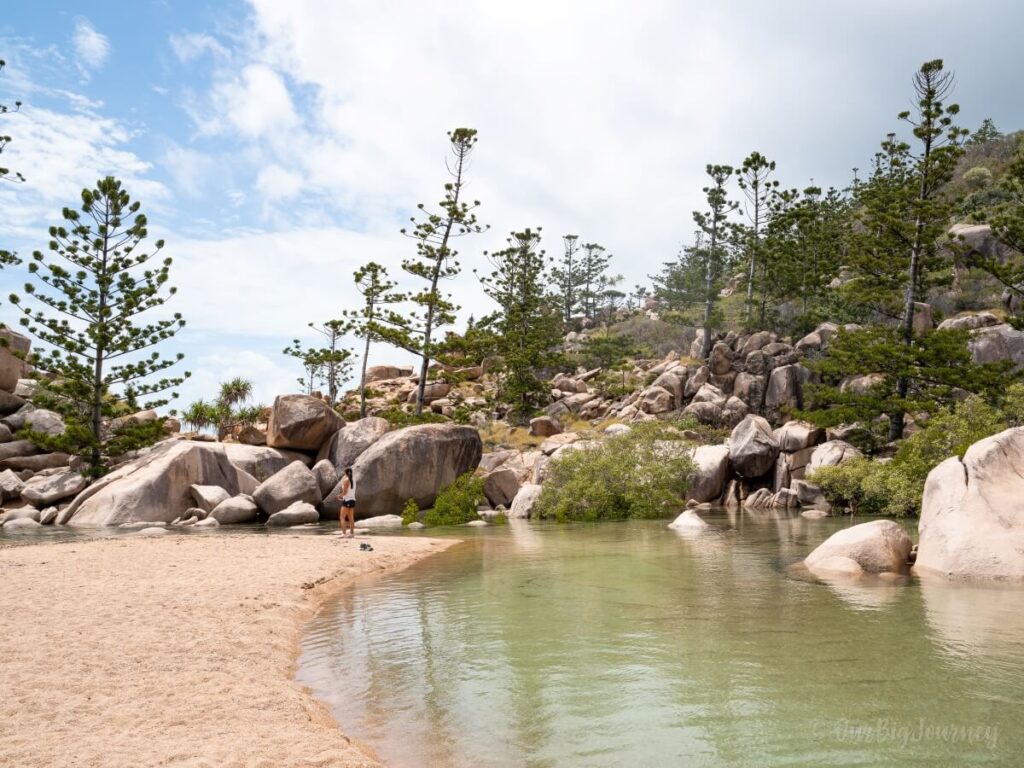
(396, 417)
(456, 504)
(643, 473)
(410, 512)
(895, 487)
(978, 177)
(843, 485)
(707, 433)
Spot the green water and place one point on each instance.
(626, 644)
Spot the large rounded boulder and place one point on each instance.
(13, 349)
(260, 461)
(237, 509)
(344, 447)
(711, 471)
(294, 483)
(156, 487)
(413, 463)
(301, 422)
(875, 548)
(753, 447)
(832, 454)
(972, 512)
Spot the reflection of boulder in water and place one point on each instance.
(867, 596)
(524, 536)
(865, 593)
(976, 620)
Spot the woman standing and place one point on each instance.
(348, 503)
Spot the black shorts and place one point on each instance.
(350, 503)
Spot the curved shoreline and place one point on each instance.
(175, 650)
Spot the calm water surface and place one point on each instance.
(626, 644)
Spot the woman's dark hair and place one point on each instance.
(348, 474)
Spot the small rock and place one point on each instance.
(814, 514)
(48, 516)
(544, 426)
(152, 531)
(613, 430)
(20, 524)
(298, 513)
(555, 442)
(207, 497)
(688, 521)
(238, 509)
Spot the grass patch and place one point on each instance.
(500, 435)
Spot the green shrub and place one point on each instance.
(843, 485)
(396, 417)
(1013, 405)
(978, 177)
(708, 434)
(456, 504)
(895, 487)
(644, 473)
(410, 512)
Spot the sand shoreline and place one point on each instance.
(176, 650)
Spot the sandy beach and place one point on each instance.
(173, 651)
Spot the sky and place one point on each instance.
(278, 145)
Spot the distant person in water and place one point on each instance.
(348, 503)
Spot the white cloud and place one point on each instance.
(597, 119)
(189, 47)
(91, 47)
(190, 169)
(271, 374)
(277, 183)
(60, 153)
(256, 103)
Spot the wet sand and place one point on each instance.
(178, 650)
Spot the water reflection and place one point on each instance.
(626, 644)
(973, 622)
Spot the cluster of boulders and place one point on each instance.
(294, 479)
(390, 386)
(971, 526)
(757, 467)
(763, 468)
(744, 374)
(34, 483)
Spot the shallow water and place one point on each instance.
(55, 534)
(626, 644)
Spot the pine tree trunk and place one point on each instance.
(705, 347)
(96, 455)
(362, 379)
(753, 261)
(442, 252)
(897, 418)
